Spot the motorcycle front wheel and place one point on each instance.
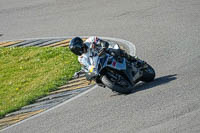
(123, 87)
(148, 74)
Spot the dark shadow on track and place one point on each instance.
(1, 35)
(158, 81)
(144, 86)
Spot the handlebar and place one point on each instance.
(102, 52)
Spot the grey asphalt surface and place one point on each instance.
(166, 34)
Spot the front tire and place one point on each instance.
(115, 86)
(148, 74)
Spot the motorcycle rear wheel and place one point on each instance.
(123, 89)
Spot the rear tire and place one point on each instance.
(148, 74)
(115, 87)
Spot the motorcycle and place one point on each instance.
(117, 73)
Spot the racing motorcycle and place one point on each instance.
(117, 73)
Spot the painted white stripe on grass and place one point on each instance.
(128, 44)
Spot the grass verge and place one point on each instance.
(27, 74)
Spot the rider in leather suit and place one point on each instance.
(80, 48)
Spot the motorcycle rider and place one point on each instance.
(81, 48)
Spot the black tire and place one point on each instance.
(148, 74)
(115, 87)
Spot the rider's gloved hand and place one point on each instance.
(104, 44)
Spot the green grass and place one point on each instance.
(27, 74)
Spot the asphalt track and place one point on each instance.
(166, 34)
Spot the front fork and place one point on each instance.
(137, 73)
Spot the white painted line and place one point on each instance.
(132, 52)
